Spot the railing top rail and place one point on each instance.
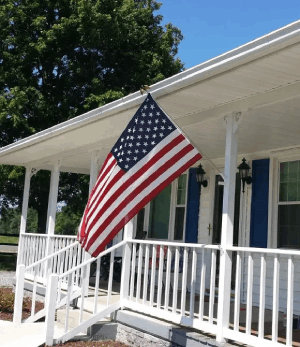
(33, 234)
(46, 235)
(175, 244)
(264, 250)
(51, 256)
(87, 262)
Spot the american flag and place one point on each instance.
(148, 156)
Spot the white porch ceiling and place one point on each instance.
(266, 88)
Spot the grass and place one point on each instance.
(8, 261)
(10, 240)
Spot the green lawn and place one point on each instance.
(13, 240)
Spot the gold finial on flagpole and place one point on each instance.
(144, 88)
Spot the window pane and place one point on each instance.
(160, 214)
(292, 191)
(283, 192)
(289, 226)
(284, 172)
(293, 170)
(179, 222)
(181, 190)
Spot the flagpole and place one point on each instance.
(184, 134)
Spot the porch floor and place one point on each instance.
(102, 298)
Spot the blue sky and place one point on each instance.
(211, 28)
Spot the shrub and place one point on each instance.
(6, 300)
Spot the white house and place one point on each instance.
(241, 247)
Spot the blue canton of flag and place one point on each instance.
(147, 128)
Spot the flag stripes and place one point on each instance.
(148, 156)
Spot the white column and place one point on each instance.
(52, 202)
(126, 262)
(93, 178)
(25, 200)
(94, 169)
(231, 122)
(24, 213)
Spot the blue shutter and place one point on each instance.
(191, 228)
(260, 203)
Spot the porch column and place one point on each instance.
(28, 175)
(52, 202)
(231, 123)
(93, 178)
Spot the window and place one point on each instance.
(289, 205)
(165, 215)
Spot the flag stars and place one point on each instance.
(126, 166)
(131, 137)
(149, 122)
(129, 152)
(142, 122)
(154, 136)
(161, 134)
(158, 113)
(153, 143)
(155, 128)
(147, 137)
(135, 158)
(136, 151)
(145, 107)
(141, 129)
(156, 120)
(130, 144)
(138, 144)
(127, 159)
(129, 130)
(145, 144)
(143, 114)
(164, 121)
(144, 151)
(150, 114)
(162, 128)
(170, 128)
(152, 107)
(120, 160)
(139, 137)
(148, 129)
(122, 139)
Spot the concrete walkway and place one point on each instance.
(25, 334)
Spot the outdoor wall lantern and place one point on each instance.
(200, 177)
(244, 173)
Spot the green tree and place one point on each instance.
(61, 58)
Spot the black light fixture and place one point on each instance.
(244, 173)
(200, 176)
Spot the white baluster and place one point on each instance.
(237, 292)
(168, 278)
(175, 286)
(212, 286)
(184, 281)
(290, 301)
(152, 283)
(249, 295)
(275, 299)
(202, 286)
(262, 297)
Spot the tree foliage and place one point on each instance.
(61, 58)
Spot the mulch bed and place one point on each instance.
(8, 316)
(92, 344)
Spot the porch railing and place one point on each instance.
(263, 286)
(33, 247)
(178, 282)
(175, 281)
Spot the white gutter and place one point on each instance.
(258, 48)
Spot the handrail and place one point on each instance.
(51, 255)
(87, 262)
(46, 235)
(263, 250)
(175, 244)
